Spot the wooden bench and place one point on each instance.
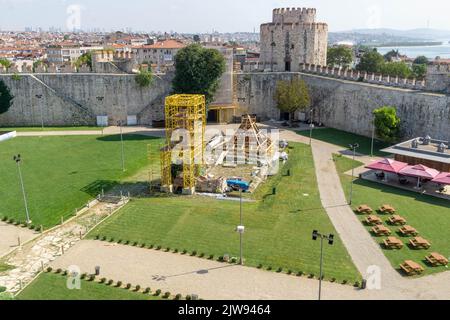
(411, 268)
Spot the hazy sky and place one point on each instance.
(221, 15)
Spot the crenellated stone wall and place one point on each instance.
(77, 99)
(348, 105)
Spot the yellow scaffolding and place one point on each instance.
(185, 133)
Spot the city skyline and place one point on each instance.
(180, 15)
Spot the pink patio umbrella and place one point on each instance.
(388, 165)
(419, 171)
(442, 178)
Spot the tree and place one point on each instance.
(85, 58)
(421, 60)
(371, 62)
(144, 78)
(419, 70)
(5, 63)
(5, 98)
(198, 71)
(340, 56)
(387, 123)
(196, 38)
(292, 96)
(396, 69)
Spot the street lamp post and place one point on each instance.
(353, 147)
(241, 229)
(330, 238)
(17, 159)
(311, 126)
(119, 123)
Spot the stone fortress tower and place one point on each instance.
(293, 38)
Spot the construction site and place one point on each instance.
(194, 162)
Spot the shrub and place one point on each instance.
(91, 278)
(201, 255)
(144, 78)
(211, 257)
(260, 266)
(311, 276)
(178, 297)
(83, 276)
(147, 290)
(97, 237)
(119, 284)
(49, 269)
(279, 270)
(333, 279)
(151, 246)
(166, 295)
(158, 248)
(5, 218)
(104, 238)
(357, 284)
(2, 289)
(128, 286)
(233, 260)
(157, 292)
(175, 251)
(184, 251)
(138, 288)
(194, 253)
(111, 240)
(110, 282)
(102, 280)
(143, 245)
(269, 268)
(59, 270)
(344, 282)
(120, 241)
(64, 273)
(220, 259)
(168, 249)
(127, 242)
(299, 274)
(11, 221)
(31, 227)
(289, 272)
(188, 297)
(135, 244)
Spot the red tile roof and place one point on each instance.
(166, 44)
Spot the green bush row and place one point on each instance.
(119, 284)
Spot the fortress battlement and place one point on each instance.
(319, 26)
(293, 15)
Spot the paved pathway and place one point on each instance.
(212, 280)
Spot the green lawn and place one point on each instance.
(34, 129)
(63, 173)
(344, 139)
(278, 228)
(430, 216)
(50, 286)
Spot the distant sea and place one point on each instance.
(431, 52)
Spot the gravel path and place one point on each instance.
(212, 280)
(9, 237)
